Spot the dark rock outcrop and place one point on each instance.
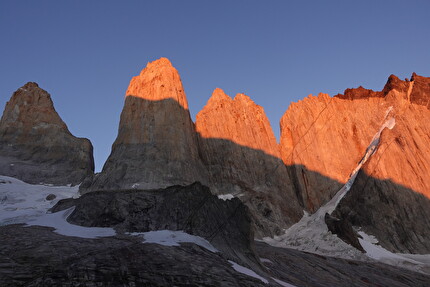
(35, 144)
(343, 229)
(43, 258)
(193, 209)
(396, 215)
(359, 93)
(421, 90)
(306, 269)
(156, 144)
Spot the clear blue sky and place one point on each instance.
(84, 53)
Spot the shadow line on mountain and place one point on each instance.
(276, 194)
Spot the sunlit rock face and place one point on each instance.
(324, 136)
(390, 198)
(240, 151)
(323, 139)
(36, 145)
(328, 136)
(156, 144)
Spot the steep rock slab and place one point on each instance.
(156, 144)
(35, 144)
(323, 138)
(390, 198)
(240, 151)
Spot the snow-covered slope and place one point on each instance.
(21, 202)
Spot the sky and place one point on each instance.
(84, 53)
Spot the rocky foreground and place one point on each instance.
(36, 256)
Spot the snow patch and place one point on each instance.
(21, 202)
(247, 271)
(225, 197)
(173, 238)
(58, 221)
(379, 253)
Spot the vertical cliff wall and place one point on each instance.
(156, 144)
(240, 151)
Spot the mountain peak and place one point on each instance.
(30, 105)
(218, 95)
(158, 81)
(36, 145)
(30, 85)
(243, 98)
(162, 62)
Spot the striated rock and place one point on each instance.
(391, 196)
(43, 258)
(325, 137)
(240, 151)
(156, 144)
(35, 144)
(306, 269)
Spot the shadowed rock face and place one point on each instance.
(233, 151)
(43, 258)
(35, 144)
(239, 149)
(307, 269)
(156, 144)
(395, 214)
(193, 209)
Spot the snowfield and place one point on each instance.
(59, 222)
(247, 271)
(21, 202)
(173, 238)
